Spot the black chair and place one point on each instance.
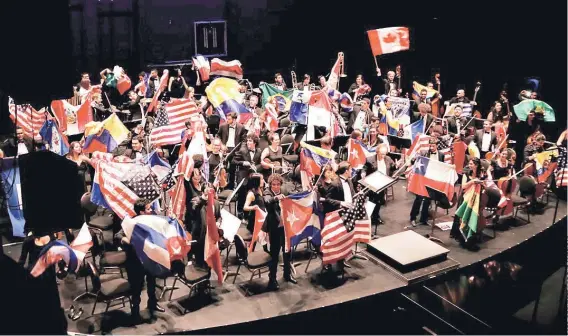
(109, 291)
(224, 198)
(194, 278)
(255, 261)
(284, 123)
(287, 141)
(493, 197)
(440, 201)
(527, 189)
(108, 260)
(95, 216)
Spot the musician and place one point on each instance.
(23, 144)
(195, 199)
(497, 114)
(385, 165)
(231, 133)
(153, 83)
(140, 88)
(330, 193)
(84, 86)
(460, 98)
(274, 226)
(430, 85)
(279, 82)
(537, 146)
(247, 159)
(374, 139)
(178, 87)
(501, 166)
(100, 112)
(326, 142)
(421, 201)
(457, 122)
(305, 83)
(345, 193)
(485, 139)
(322, 82)
(424, 113)
(359, 89)
(473, 176)
(132, 107)
(254, 199)
(271, 157)
(215, 159)
(361, 116)
(253, 105)
(389, 84)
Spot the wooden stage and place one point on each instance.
(229, 304)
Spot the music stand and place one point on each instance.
(377, 182)
(399, 142)
(441, 201)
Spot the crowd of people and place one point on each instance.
(264, 165)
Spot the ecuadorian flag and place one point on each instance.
(224, 95)
(104, 136)
(283, 98)
(430, 94)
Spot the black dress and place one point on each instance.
(258, 200)
(83, 171)
(498, 171)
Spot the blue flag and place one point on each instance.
(12, 190)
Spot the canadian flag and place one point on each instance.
(389, 40)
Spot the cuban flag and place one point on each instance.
(346, 102)
(58, 142)
(301, 218)
(159, 166)
(157, 240)
(299, 106)
(57, 250)
(358, 153)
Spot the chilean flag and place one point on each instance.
(227, 69)
(434, 174)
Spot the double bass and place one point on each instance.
(476, 113)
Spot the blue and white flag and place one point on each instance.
(410, 131)
(159, 166)
(13, 193)
(157, 240)
(57, 142)
(299, 106)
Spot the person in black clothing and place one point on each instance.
(247, 159)
(195, 201)
(254, 199)
(274, 226)
(31, 248)
(135, 269)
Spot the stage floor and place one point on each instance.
(230, 305)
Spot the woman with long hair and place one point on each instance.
(254, 199)
(76, 155)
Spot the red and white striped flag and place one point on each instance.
(108, 181)
(336, 242)
(163, 84)
(27, 117)
(171, 122)
(201, 64)
(227, 69)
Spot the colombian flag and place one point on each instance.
(283, 98)
(224, 95)
(430, 94)
(104, 136)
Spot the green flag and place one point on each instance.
(283, 98)
(523, 108)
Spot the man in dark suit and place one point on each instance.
(137, 152)
(231, 134)
(247, 159)
(384, 164)
(357, 121)
(304, 84)
(424, 113)
(457, 122)
(23, 144)
(485, 139)
(460, 98)
(422, 98)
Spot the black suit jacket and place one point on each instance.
(429, 119)
(331, 195)
(242, 155)
(223, 133)
(453, 128)
(478, 138)
(12, 146)
(273, 210)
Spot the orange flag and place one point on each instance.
(212, 252)
(259, 217)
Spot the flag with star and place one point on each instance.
(358, 153)
(357, 220)
(140, 180)
(300, 218)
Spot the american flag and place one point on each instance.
(140, 180)
(27, 117)
(561, 169)
(170, 122)
(109, 190)
(337, 239)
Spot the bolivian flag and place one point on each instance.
(468, 212)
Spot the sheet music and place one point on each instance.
(377, 181)
(229, 224)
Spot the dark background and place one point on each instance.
(494, 42)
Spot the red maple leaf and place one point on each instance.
(390, 38)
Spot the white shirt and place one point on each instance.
(434, 156)
(486, 142)
(231, 139)
(347, 197)
(360, 120)
(22, 149)
(424, 120)
(83, 94)
(381, 166)
(139, 157)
